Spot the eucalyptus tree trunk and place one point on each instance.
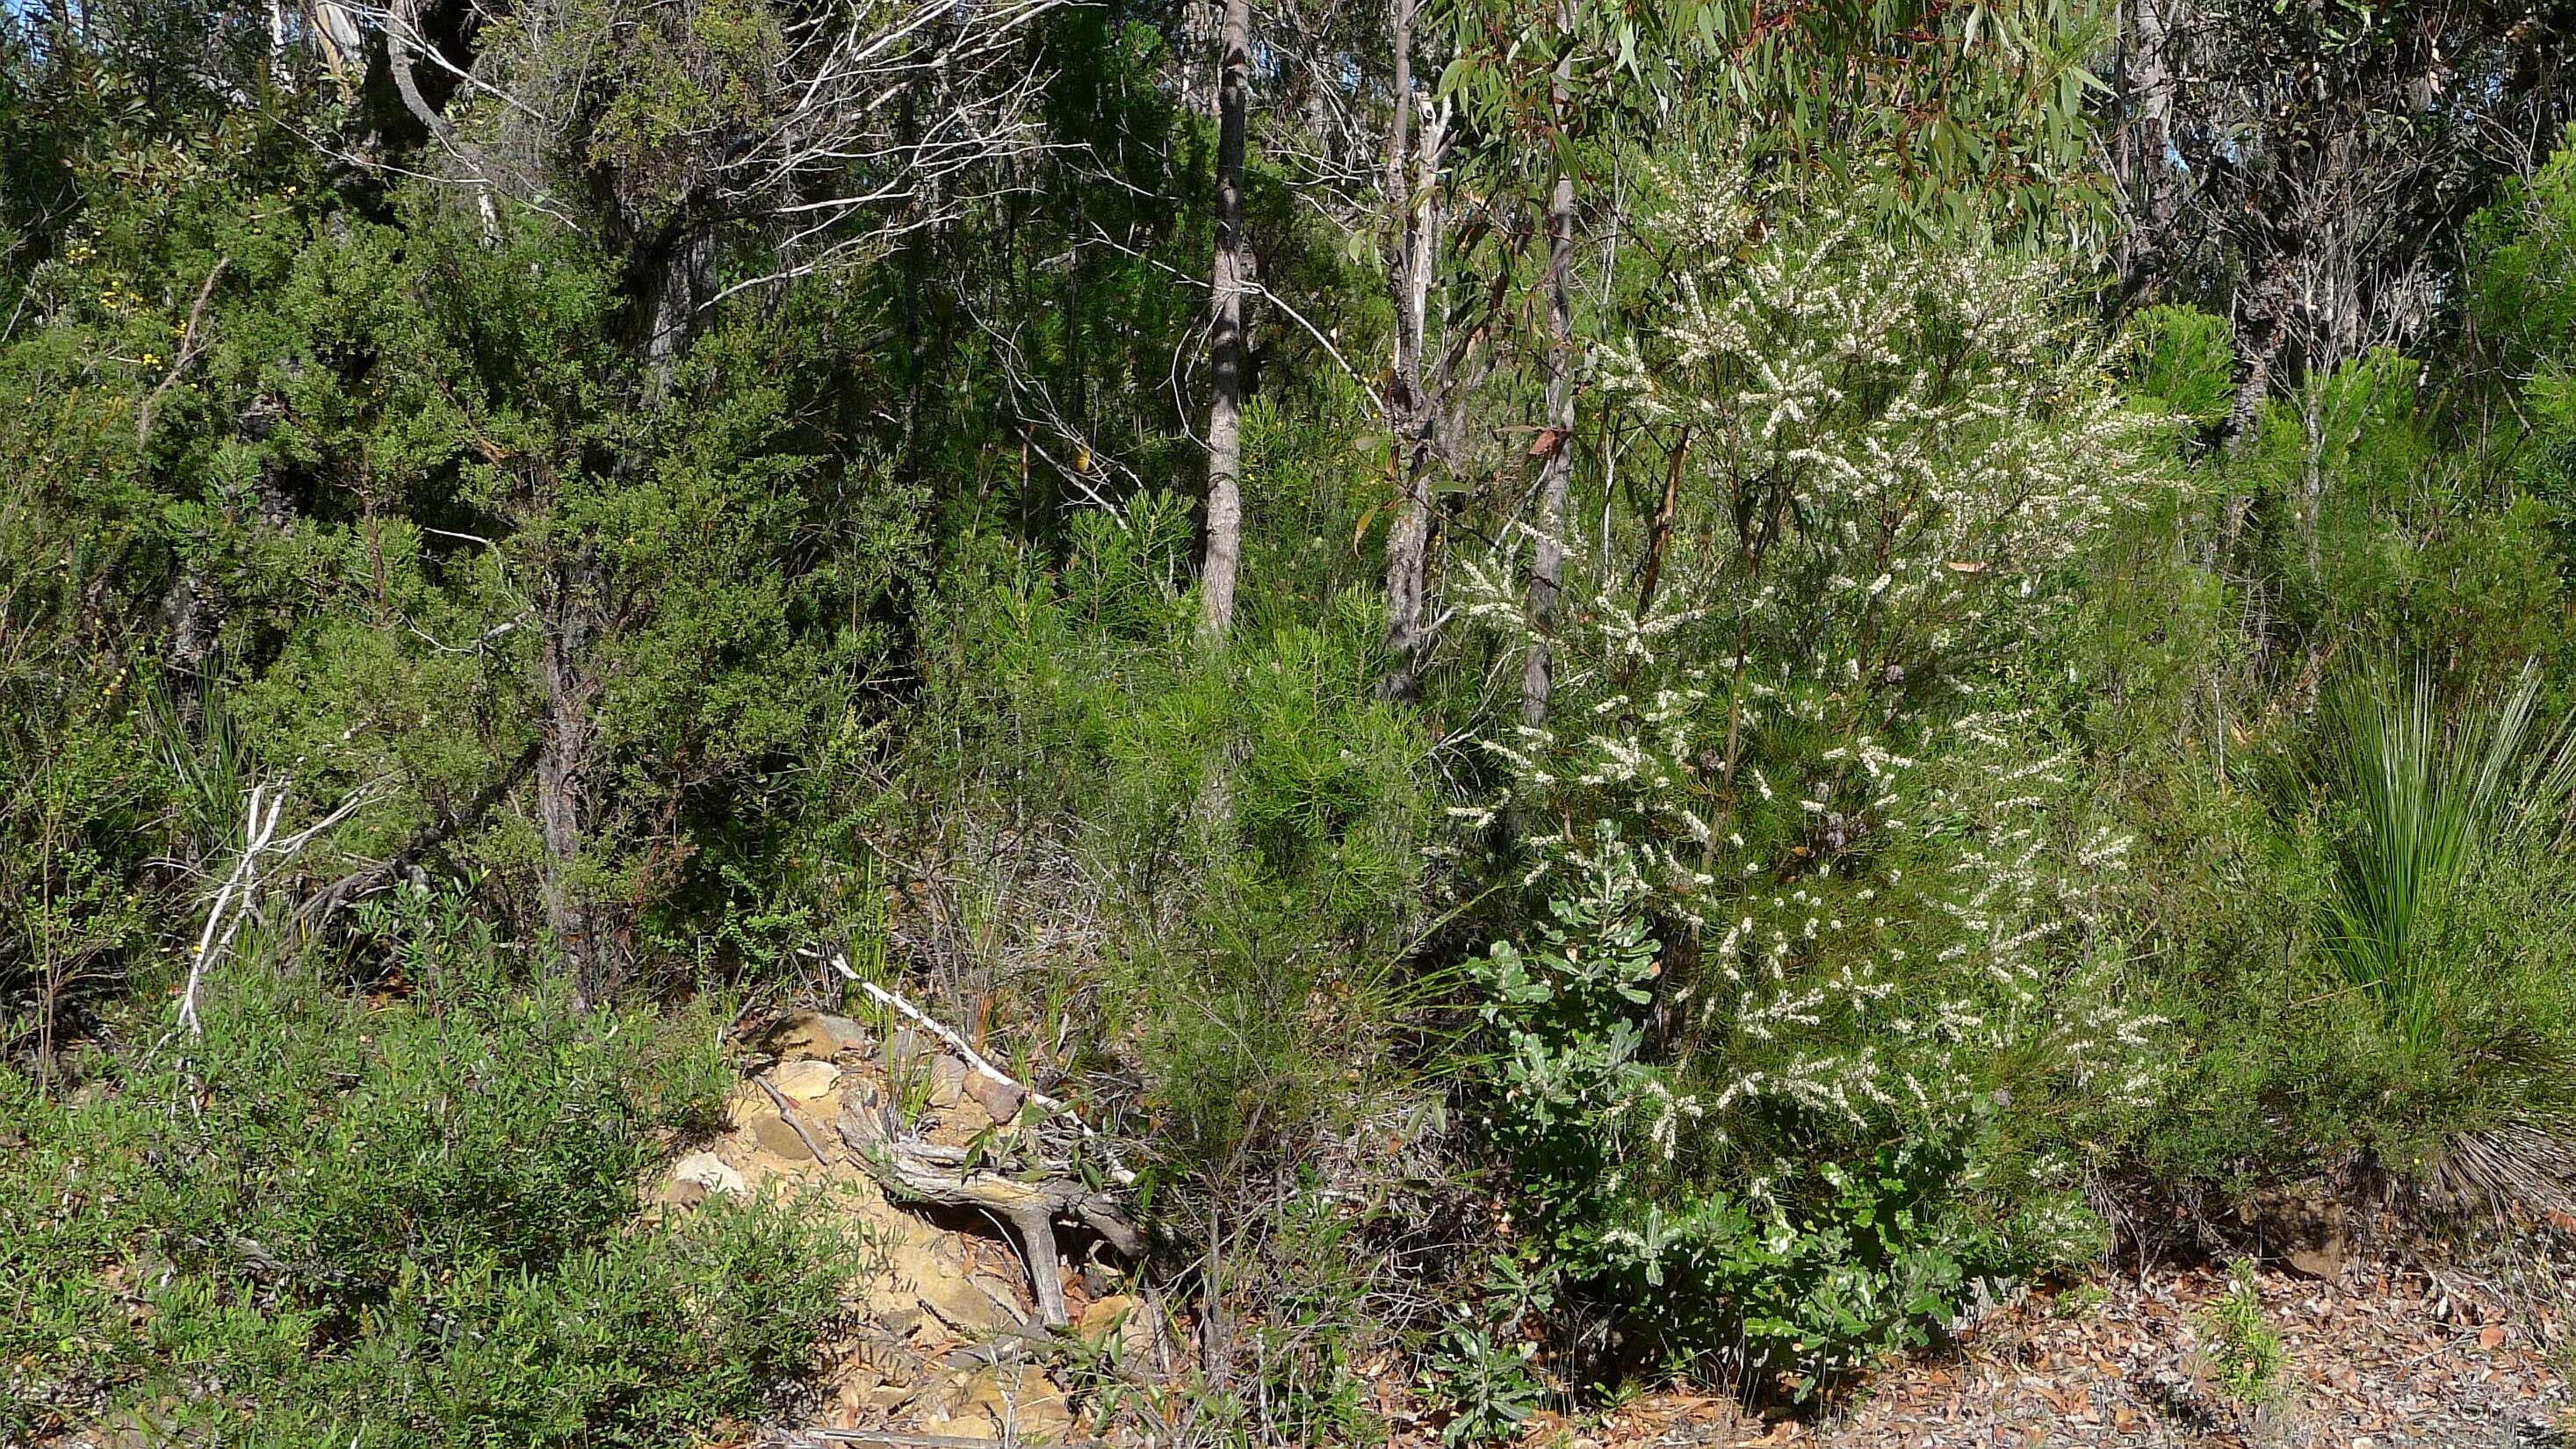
(1225, 340)
(668, 278)
(2148, 79)
(672, 285)
(568, 610)
(1547, 569)
(1408, 407)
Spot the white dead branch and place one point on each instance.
(233, 900)
(1118, 1171)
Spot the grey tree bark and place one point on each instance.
(569, 614)
(1225, 341)
(2148, 79)
(1547, 568)
(1409, 409)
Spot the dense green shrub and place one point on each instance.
(1826, 1009)
(2373, 965)
(1194, 870)
(412, 1224)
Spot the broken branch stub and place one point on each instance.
(928, 1172)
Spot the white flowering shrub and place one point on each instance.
(1823, 1005)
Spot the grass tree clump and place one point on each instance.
(2443, 888)
(2435, 798)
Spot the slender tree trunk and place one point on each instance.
(675, 288)
(1547, 570)
(2244, 416)
(2147, 83)
(1408, 408)
(569, 612)
(1667, 508)
(1225, 342)
(671, 276)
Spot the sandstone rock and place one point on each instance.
(815, 1036)
(886, 1398)
(940, 1398)
(964, 1304)
(851, 1395)
(1000, 1100)
(805, 1079)
(1123, 1320)
(1104, 1317)
(779, 1141)
(2308, 1228)
(906, 1253)
(708, 1172)
(2322, 1261)
(682, 1193)
(967, 1423)
(947, 1081)
(963, 1121)
(1007, 1292)
(903, 1051)
(1020, 1403)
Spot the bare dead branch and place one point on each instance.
(192, 340)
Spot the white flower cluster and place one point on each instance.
(1892, 456)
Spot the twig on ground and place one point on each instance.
(787, 1115)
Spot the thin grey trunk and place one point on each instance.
(192, 608)
(667, 290)
(2244, 416)
(2148, 81)
(569, 613)
(1409, 409)
(675, 290)
(1547, 569)
(1225, 341)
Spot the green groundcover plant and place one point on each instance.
(415, 1224)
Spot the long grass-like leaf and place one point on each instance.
(2433, 796)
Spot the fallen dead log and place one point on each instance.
(928, 1172)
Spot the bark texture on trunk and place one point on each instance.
(569, 612)
(2148, 79)
(1408, 408)
(667, 284)
(1225, 339)
(673, 289)
(1547, 569)
(2260, 338)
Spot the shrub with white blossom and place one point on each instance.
(1828, 899)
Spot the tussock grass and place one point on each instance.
(2439, 796)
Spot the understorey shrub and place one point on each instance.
(1826, 1018)
(1182, 876)
(2335, 747)
(410, 1224)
